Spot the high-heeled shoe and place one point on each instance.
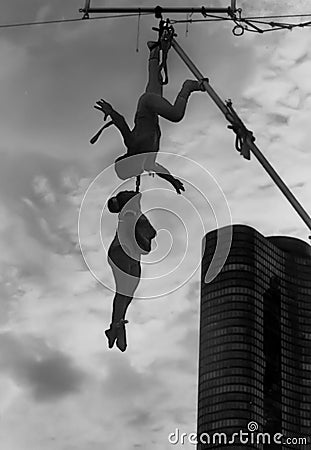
(121, 337)
(111, 334)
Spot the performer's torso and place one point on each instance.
(136, 240)
(146, 133)
(146, 138)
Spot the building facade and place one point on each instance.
(255, 344)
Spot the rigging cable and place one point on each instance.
(47, 22)
(248, 23)
(251, 24)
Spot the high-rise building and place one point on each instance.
(255, 344)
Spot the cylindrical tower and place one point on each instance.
(255, 340)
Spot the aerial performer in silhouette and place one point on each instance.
(143, 141)
(132, 239)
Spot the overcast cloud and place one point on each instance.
(60, 387)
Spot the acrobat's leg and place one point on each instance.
(120, 305)
(126, 272)
(116, 331)
(162, 107)
(127, 277)
(154, 84)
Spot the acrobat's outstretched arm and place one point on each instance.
(162, 172)
(117, 119)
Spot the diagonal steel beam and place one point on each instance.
(255, 150)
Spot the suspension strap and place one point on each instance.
(166, 34)
(119, 324)
(137, 183)
(242, 133)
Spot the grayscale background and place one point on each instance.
(60, 387)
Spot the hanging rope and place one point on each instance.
(166, 34)
(137, 183)
(138, 32)
(187, 25)
(243, 135)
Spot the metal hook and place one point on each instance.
(86, 9)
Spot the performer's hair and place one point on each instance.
(113, 205)
(116, 203)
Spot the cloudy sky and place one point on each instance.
(60, 387)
